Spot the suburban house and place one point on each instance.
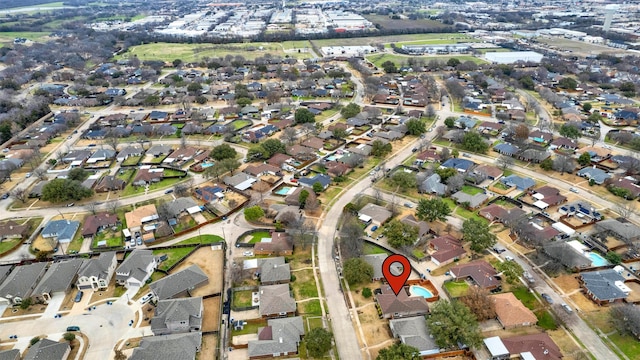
(181, 206)
(541, 137)
(240, 181)
(96, 273)
(498, 213)
(625, 231)
(598, 176)
(446, 249)
(375, 214)
(48, 349)
(511, 313)
(93, 224)
(209, 193)
(276, 301)
(479, 272)
(58, 280)
(76, 157)
(280, 337)
(413, 331)
(148, 175)
(279, 160)
(61, 231)
(110, 183)
(461, 165)
(179, 284)
(12, 230)
(402, 305)
(273, 271)
(12, 354)
(547, 196)
(20, 283)
(262, 169)
(468, 200)
(323, 179)
(428, 155)
(376, 260)
(101, 155)
(141, 218)
(563, 143)
(520, 183)
(136, 268)
(506, 149)
(423, 226)
(173, 346)
(433, 185)
(280, 243)
(488, 171)
(128, 152)
(604, 286)
(532, 346)
(175, 316)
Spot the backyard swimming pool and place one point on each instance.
(285, 190)
(205, 164)
(597, 259)
(420, 291)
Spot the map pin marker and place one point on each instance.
(396, 281)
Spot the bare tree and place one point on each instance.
(39, 173)
(112, 140)
(312, 203)
(183, 141)
(92, 207)
(289, 135)
(377, 195)
(455, 183)
(563, 164)
(113, 206)
(478, 301)
(19, 194)
(505, 162)
(351, 233)
(625, 209)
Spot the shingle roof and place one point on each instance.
(135, 265)
(540, 345)
(97, 267)
(376, 260)
(476, 200)
(603, 284)
(46, 349)
(168, 347)
(63, 230)
(188, 310)
(93, 222)
(511, 312)
(447, 247)
(521, 183)
(413, 331)
(274, 270)
(12, 354)
(402, 304)
(432, 184)
(174, 284)
(376, 212)
(279, 336)
(276, 299)
(21, 280)
(480, 271)
(58, 277)
(458, 164)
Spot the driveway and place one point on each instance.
(128, 295)
(54, 305)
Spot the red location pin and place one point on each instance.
(396, 281)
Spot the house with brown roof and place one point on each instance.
(547, 196)
(143, 215)
(335, 168)
(93, 224)
(314, 143)
(495, 212)
(279, 160)
(428, 155)
(490, 172)
(301, 153)
(540, 346)
(511, 313)
(480, 272)
(280, 243)
(148, 175)
(445, 250)
(110, 183)
(627, 184)
(402, 305)
(12, 230)
(563, 143)
(182, 154)
(423, 226)
(261, 169)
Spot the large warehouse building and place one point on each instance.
(513, 57)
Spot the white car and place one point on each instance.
(508, 258)
(145, 299)
(573, 190)
(248, 253)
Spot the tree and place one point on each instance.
(472, 141)
(177, 62)
(272, 147)
(455, 183)
(400, 234)
(568, 83)
(119, 355)
(351, 232)
(380, 149)
(69, 336)
(389, 67)
(223, 151)
(303, 116)
(113, 206)
(432, 209)
(34, 340)
(367, 293)
(19, 194)
(450, 122)
(312, 203)
(586, 107)
(594, 118)
(505, 162)
(584, 159)
(228, 165)
(60, 190)
(521, 132)
(91, 207)
(253, 213)
(452, 323)
(478, 301)
(570, 131)
(302, 197)
(613, 258)
(351, 110)
(317, 187)
(546, 164)
(399, 351)
(404, 181)
(511, 270)
(340, 133)
(626, 318)
(318, 342)
(477, 232)
(430, 112)
(628, 88)
(453, 62)
(563, 164)
(357, 271)
(446, 173)
(290, 135)
(415, 127)
(78, 174)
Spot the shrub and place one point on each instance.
(366, 292)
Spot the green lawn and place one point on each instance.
(203, 239)
(258, 236)
(131, 161)
(313, 323)
(305, 285)
(242, 298)
(501, 186)
(456, 289)
(527, 298)
(164, 183)
(628, 345)
(250, 328)
(33, 36)
(546, 321)
(417, 253)
(471, 190)
(312, 308)
(386, 39)
(239, 124)
(467, 214)
(173, 256)
(400, 60)
(6, 245)
(113, 238)
(370, 249)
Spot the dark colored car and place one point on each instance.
(78, 296)
(73, 328)
(547, 298)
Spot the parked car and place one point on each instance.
(508, 258)
(247, 253)
(499, 249)
(4, 196)
(27, 175)
(139, 241)
(73, 328)
(70, 204)
(574, 190)
(145, 299)
(547, 298)
(408, 205)
(168, 191)
(567, 308)
(374, 228)
(414, 149)
(78, 296)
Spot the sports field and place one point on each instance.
(400, 60)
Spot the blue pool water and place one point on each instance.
(331, 158)
(420, 291)
(283, 190)
(597, 260)
(205, 165)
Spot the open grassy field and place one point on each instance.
(193, 52)
(444, 40)
(578, 47)
(33, 36)
(388, 23)
(400, 60)
(388, 39)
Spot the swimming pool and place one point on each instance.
(420, 291)
(285, 190)
(331, 158)
(206, 164)
(596, 259)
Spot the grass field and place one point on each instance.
(370, 249)
(579, 47)
(33, 36)
(193, 52)
(8, 244)
(242, 298)
(204, 239)
(444, 40)
(257, 236)
(400, 60)
(386, 22)
(173, 256)
(456, 289)
(387, 39)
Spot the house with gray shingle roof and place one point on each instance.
(506, 149)
(46, 349)
(473, 201)
(168, 347)
(175, 316)
(625, 231)
(599, 176)
(178, 206)
(520, 183)
(273, 271)
(413, 331)
(432, 185)
(20, 283)
(280, 337)
(4, 272)
(179, 283)
(12, 354)
(401, 305)
(136, 268)
(376, 260)
(604, 286)
(61, 231)
(276, 301)
(57, 280)
(128, 152)
(96, 273)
